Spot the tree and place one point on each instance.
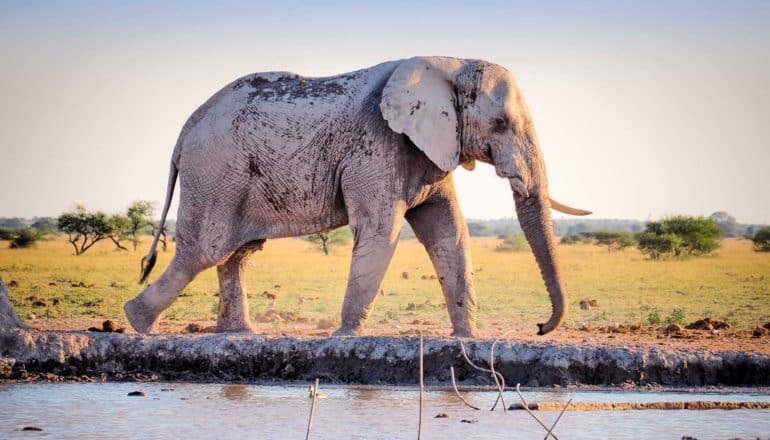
(614, 240)
(84, 229)
(25, 237)
(762, 240)
(139, 214)
(327, 239)
(120, 229)
(680, 236)
(726, 223)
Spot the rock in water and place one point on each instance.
(8, 317)
(136, 393)
(31, 428)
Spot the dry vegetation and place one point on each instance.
(291, 283)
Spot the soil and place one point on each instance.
(619, 335)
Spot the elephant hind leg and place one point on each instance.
(233, 305)
(143, 312)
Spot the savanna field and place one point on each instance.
(293, 287)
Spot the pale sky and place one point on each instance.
(643, 109)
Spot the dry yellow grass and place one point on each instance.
(734, 284)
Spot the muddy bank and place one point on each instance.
(28, 353)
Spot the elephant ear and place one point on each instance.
(419, 101)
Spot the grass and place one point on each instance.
(733, 284)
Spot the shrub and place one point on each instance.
(679, 236)
(677, 316)
(762, 240)
(614, 240)
(653, 318)
(6, 233)
(513, 243)
(25, 237)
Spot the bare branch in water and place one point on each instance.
(526, 408)
(557, 419)
(501, 382)
(454, 385)
(498, 376)
(312, 410)
(422, 387)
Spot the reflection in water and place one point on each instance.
(74, 411)
(236, 392)
(366, 394)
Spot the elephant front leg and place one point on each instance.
(440, 227)
(371, 257)
(233, 305)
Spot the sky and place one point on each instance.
(643, 109)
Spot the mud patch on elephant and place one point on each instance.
(254, 167)
(289, 88)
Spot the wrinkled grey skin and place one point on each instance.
(277, 155)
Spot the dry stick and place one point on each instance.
(526, 408)
(468, 360)
(312, 410)
(557, 419)
(454, 385)
(500, 387)
(419, 426)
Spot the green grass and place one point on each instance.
(733, 284)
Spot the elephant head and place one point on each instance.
(459, 111)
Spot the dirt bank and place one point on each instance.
(26, 354)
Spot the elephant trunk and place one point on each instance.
(535, 219)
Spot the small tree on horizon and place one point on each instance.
(84, 229)
(139, 214)
(327, 239)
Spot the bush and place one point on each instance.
(653, 318)
(513, 243)
(580, 237)
(614, 240)
(25, 237)
(6, 233)
(677, 316)
(762, 240)
(679, 236)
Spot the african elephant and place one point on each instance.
(277, 155)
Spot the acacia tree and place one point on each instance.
(120, 227)
(139, 215)
(84, 229)
(327, 239)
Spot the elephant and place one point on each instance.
(277, 154)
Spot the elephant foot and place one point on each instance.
(236, 327)
(142, 318)
(346, 331)
(466, 333)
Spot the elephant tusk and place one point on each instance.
(567, 209)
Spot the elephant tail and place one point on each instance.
(148, 261)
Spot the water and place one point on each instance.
(254, 411)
